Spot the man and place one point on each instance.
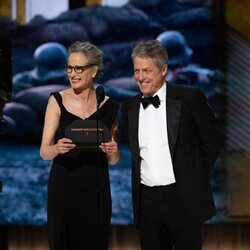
(173, 139)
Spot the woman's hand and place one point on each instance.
(111, 149)
(64, 145)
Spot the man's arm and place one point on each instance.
(208, 133)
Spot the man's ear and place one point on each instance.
(164, 69)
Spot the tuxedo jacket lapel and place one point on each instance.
(133, 114)
(173, 108)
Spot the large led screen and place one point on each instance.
(185, 27)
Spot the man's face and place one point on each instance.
(148, 77)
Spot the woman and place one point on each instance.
(79, 200)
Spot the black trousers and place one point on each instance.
(163, 223)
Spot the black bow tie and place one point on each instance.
(155, 100)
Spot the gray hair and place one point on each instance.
(93, 54)
(151, 49)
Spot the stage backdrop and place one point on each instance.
(38, 57)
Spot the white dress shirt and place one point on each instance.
(156, 163)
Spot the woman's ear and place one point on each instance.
(94, 71)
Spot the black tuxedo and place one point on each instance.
(193, 143)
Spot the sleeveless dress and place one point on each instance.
(79, 199)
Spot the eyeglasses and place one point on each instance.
(78, 68)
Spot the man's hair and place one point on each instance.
(151, 49)
(93, 54)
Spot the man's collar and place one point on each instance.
(162, 92)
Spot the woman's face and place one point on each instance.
(80, 73)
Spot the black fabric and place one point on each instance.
(164, 224)
(155, 100)
(79, 200)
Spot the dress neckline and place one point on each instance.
(89, 115)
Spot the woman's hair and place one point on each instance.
(93, 54)
(151, 49)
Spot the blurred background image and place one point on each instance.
(208, 46)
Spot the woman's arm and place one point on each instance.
(49, 150)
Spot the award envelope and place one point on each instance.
(83, 133)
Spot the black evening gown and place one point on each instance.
(79, 199)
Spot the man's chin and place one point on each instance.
(144, 91)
